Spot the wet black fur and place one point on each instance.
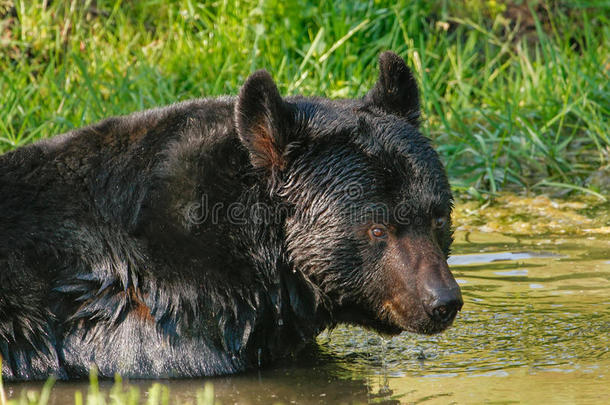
(100, 262)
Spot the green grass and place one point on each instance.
(119, 394)
(509, 105)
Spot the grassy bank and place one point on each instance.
(516, 96)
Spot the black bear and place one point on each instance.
(217, 235)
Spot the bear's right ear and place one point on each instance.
(263, 121)
(396, 90)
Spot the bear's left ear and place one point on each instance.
(264, 121)
(396, 89)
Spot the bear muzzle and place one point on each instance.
(422, 294)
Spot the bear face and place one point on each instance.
(371, 225)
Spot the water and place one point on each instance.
(535, 328)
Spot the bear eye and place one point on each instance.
(439, 222)
(378, 232)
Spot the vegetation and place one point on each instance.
(119, 394)
(515, 94)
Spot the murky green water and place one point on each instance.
(535, 328)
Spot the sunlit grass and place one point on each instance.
(507, 110)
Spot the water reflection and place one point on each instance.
(461, 260)
(318, 379)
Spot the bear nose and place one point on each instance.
(446, 311)
(445, 305)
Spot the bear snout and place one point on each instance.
(423, 296)
(440, 294)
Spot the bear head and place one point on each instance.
(370, 219)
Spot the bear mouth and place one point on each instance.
(391, 322)
(419, 322)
